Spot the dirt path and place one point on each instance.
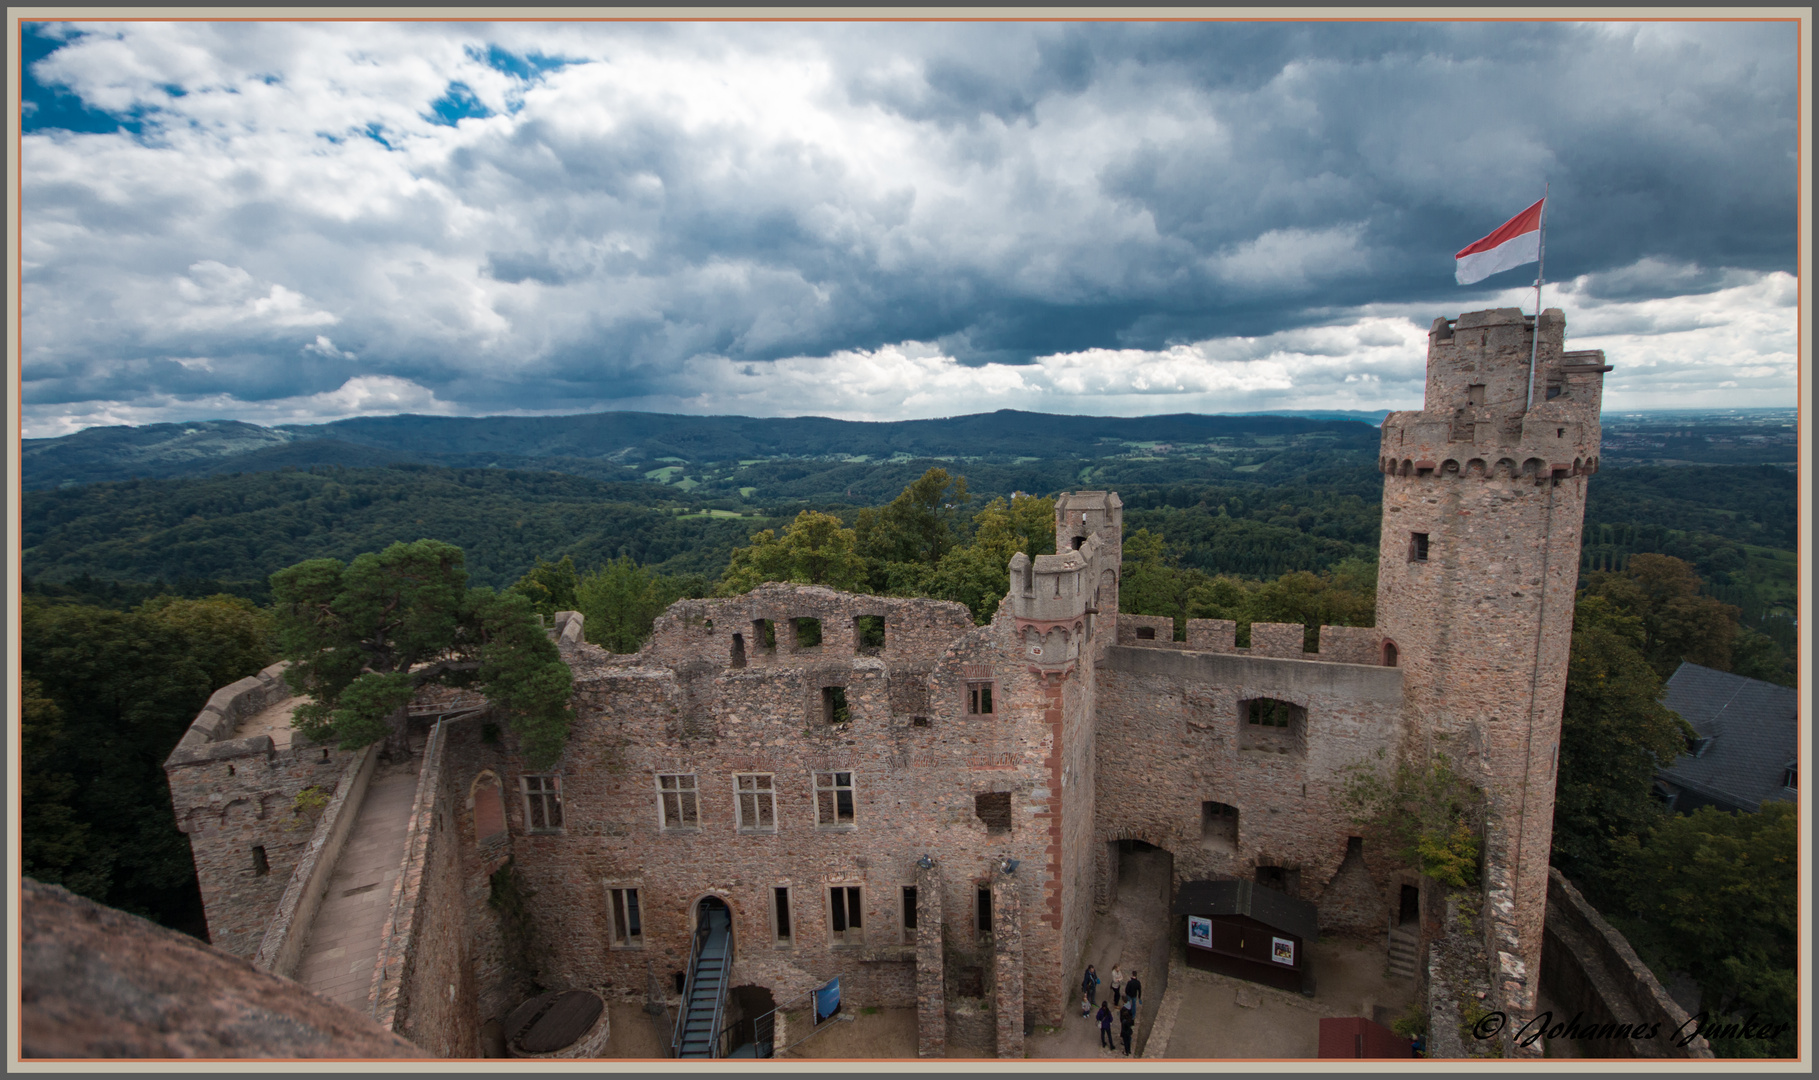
(1131, 935)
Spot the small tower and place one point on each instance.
(1084, 515)
(1483, 501)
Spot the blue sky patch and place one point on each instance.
(527, 67)
(456, 105)
(52, 107)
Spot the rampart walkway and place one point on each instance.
(344, 940)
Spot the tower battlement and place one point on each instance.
(1479, 418)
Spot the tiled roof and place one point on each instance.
(1754, 731)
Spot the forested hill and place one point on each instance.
(625, 445)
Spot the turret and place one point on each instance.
(1483, 501)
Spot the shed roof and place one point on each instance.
(1754, 728)
(1231, 896)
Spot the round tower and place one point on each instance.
(1483, 501)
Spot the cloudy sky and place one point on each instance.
(294, 222)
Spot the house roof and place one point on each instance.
(1754, 732)
(1274, 909)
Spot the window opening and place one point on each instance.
(1146, 633)
(1791, 778)
(1268, 712)
(780, 912)
(1389, 654)
(757, 801)
(764, 635)
(979, 699)
(261, 866)
(1219, 826)
(628, 922)
(984, 905)
(833, 798)
(846, 914)
(542, 802)
(833, 705)
(1417, 547)
(1474, 394)
(1354, 845)
(681, 801)
(808, 633)
(909, 913)
(994, 808)
(918, 721)
(869, 630)
(738, 650)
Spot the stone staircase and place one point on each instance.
(1404, 952)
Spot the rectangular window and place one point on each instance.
(261, 866)
(780, 918)
(628, 922)
(756, 801)
(808, 633)
(993, 808)
(909, 913)
(983, 907)
(833, 705)
(979, 699)
(845, 914)
(542, 802)
(1219, 826)
(868, 631)
(833, 798)
(680, 800)
(1417, 547)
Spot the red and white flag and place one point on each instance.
(1515, 242)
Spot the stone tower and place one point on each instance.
(1483, 501)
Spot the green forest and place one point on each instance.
(143, 595)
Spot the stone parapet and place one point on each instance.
(281, 949)
(1590, 972)
(209, 736)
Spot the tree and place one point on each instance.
(363, 637)
(977, 574)
(906, 538)
(111, 693)
(1716, 895)
(550, 586)
(621, 600)
(1678, 623)
(1431, 815)
(1614, 735)
(814, 550)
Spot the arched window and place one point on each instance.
(1389, 654)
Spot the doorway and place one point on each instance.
(1410, 911)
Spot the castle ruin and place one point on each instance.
(876, 788)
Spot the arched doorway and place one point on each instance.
(751, 1021)
(700, 1027)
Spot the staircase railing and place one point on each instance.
(702, 934)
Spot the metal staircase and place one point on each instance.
(704, 995)
(1404, 952)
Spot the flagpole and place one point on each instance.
(1534, 347)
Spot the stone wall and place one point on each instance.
(1171, 737)
(236, 800)
(281, 949)
(1589, 971)
(424, 986)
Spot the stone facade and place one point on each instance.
(813, 759)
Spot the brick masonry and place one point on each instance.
(871, 754)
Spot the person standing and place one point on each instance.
(1127, 1019)
(1089, 989)
(1133, 992)
(1117, 984)
(1105, 1027)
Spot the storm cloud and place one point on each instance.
(295, 222)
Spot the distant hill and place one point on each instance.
(628, 445)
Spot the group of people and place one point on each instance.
(1127, 998)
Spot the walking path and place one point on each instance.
(344, 941)
(1130, 935)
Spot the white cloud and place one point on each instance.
(365, 395)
